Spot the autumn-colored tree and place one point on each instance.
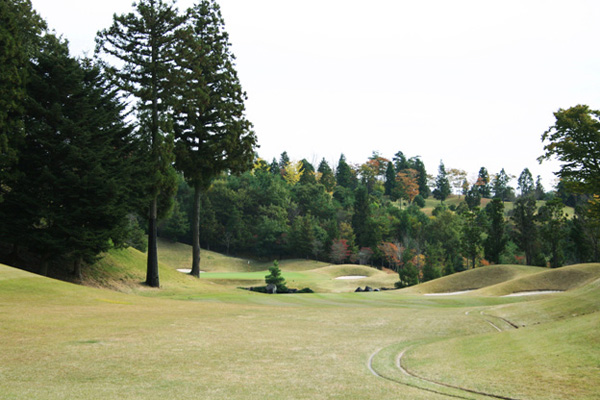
(293, 172)
(392, 254)
(372, 170)
(408, 180)
(339, 251)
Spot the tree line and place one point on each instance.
(374, 214)
(150, 137)
(87, 144)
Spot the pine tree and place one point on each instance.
(419, 166)
(327, 178)
(275, 277)
(442, 185)
(496, 233)
(526, 230)
(500, 185)
(212, 134)
(390, 180)
(483, 183)
(78, 167)
(143, 42)
(20, 29)
(343, 174)
(525, 182)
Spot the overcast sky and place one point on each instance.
(470, 82)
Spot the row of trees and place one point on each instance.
(85, 143)
(292, 209)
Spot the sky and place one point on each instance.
(471, 83)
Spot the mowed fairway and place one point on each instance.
(206, 339)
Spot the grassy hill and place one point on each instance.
(215, 341)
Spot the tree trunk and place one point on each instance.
(152, 263)
(77, 268)
(196, 232)
(43, 270)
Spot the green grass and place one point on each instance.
(205, 338)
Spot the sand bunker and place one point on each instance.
(187, 270)
(531, 293)
(351, 277)
(448, 293)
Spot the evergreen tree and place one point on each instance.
(284, 160)
(442, 185)
(525, 182)
(419, 166)
(473, 197)
(211, 132)
(390, 180)
(78, 171)
(308, 173)
(500, 185)
(553, 230)
(361, 220)
(471, 238)
(343, 174)
(540, 193)
(526, 232)
(20, 30)
(143, 42)
(496, 233)
(483, 183)
(400, 161)
(327, 178)
(275, 277)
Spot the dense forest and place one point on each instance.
(149, 138)
(377, 213)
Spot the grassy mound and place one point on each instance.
(554, 354)
(559, 279)
(474, 279)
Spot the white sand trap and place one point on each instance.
(187, 270)
(351, 277)
(531, 293)
(448, 293)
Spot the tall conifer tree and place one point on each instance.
(143, 42)
(212, 133)
(20, 29)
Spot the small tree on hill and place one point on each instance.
(275, 277)
(442, 185)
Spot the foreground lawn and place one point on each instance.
(217, 342)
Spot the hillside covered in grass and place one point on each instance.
(205, 336)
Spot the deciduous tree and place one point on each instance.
(574, 140)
